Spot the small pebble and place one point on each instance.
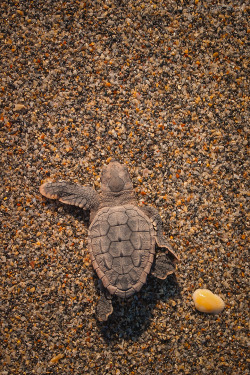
(57, 358)
(208, 302)
(19, 107)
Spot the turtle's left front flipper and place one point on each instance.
(66, 192)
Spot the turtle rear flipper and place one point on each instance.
(104, 306)
(69, 193)
(163, 267)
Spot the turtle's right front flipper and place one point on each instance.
(69, 193)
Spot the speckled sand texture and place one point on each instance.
(162, 86)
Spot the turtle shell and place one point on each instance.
(122, 247)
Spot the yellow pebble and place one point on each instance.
(206, 301)
(57, 358)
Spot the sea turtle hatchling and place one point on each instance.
(121, 237)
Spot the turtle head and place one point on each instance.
(115, 178)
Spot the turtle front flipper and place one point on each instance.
(162, 242)
(104, 306)
(69, 193)
(163, 267)
(158, 226)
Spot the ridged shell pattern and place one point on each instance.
(122, 248)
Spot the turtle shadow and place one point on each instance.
(77, 212)
(132, 317)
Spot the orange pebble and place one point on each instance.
(206, 301)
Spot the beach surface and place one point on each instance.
(162, 86)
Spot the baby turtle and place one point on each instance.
(122, 236)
